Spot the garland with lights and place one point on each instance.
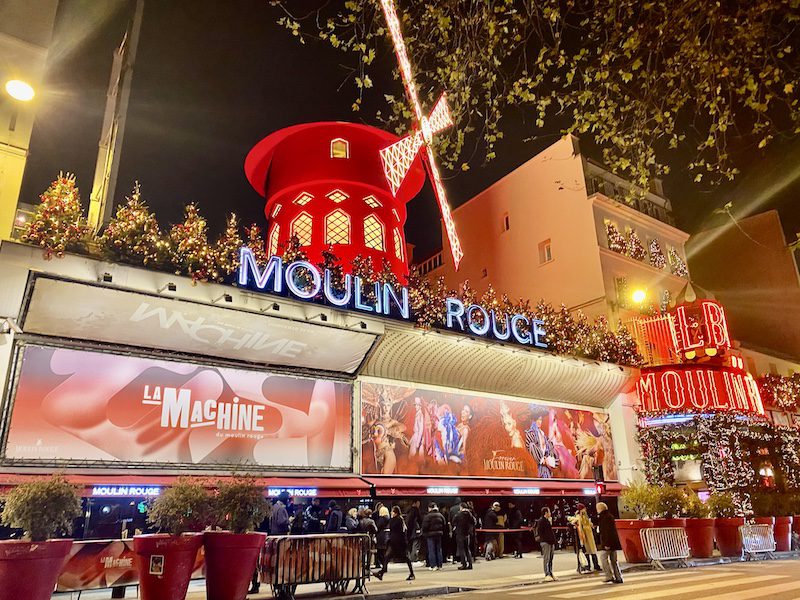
(657, 258)
(635, 248)
(58, 224)
(616, 241)
(780, 391)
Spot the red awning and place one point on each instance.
(342, 487)
(474, 486)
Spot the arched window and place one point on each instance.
(373, 233)
(337, 196)
(340, 148)
(396, 216)
(372, 202)
(301, 228)
(276, 210)
(398, 245)
(273, 239)
(303, 198)
(337, 228)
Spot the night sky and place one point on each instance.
(212, 78)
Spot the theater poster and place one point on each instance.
(81, 405)
(418, 431)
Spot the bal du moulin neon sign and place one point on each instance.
(304, 281)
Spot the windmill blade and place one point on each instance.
(393, 23)
(444, 208)
(398, 157)
(440, 118)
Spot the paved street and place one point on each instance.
(776, 580)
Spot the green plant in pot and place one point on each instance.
(166, 560)
(238, 507)
(727, 521)
(699, 527)
(43, 509)
(637, 499)
(669, 507)
(775, 509)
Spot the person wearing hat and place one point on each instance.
(609, 543)
(585, 529)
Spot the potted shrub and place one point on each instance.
(669, 507)
(764, 509)
(238, 507)
(726, 523)
(638, 500)
(30, 567)
(165, 560)
(699, 527)
(777, 508)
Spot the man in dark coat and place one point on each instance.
(490, 522)
(547, 541)
(609, 543)
(313, 517)
(335, 522)
(514, 521)
(463, 527)
(414, 530)
(279, 521)
(454, 510)
(433, 528)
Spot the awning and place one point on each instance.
(444, 486)
(112, 485)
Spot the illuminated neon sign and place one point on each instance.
(442, 491)
(486, 323)
(527, 491)
(304, 492)
(122, 491)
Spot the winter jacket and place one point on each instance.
(463, 523)
(490, 520)
(544, 531)
(382, 537)
(313, 516)
(433, 524)
(335, 521)
(609, 539)
(414, 522)
(298, 523)
(367, 525)
(514, 519)
(351, 524)
(397, 536)
(279, 521)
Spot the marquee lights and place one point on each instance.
(125, 491)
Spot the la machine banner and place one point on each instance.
(78, 405)
(417, 431)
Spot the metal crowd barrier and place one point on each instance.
(333, 559)
(665, 543)
(757, 539)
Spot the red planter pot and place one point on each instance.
(783, 534)
(796, 524)
(677, 522)
(165, 563)
(628, 531)
(700, 533)
(726, 532)
(29, 570)
(230, 562)
(764, 521)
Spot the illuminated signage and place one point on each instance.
(701, 329)
(304, 492)
(694, 388)
(477, 320)
(120, 491)
(527, 491)
(589, 491)
(442, 491)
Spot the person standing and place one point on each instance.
(397, 544)
(314, 514)
(367, 525)
(433, 527)
(414, 531)
(335, 522)
(609, 542)
(585, 530)
(297, 526)
(547, 541)
(454, 510)
(490, 522)
(463, 528)
(382, 536)
(279, 521)
(514, 522)
(351, 521)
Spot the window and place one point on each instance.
(340, 148)
(338, 196)
(545, 252)
(373, 233)
(273, 239)
(372, 202)
(337, 228)
(396, 216)
(276, 210)
(301, 228)
(506, 222)
(398, 245)
(303, 199)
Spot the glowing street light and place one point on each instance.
(638, 296)
(19, 90)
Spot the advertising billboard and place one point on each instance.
(83, 405)
(417, 431)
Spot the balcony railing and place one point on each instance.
(431, 264)
(598, 185)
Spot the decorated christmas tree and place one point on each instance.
(635, 248)
(657, 258)
(255, 241)
(616, 241)
(191, 253)
(226, 250)
(331, 262)
(58, 224)
(294, 252)
(676, 264)
(132, 235)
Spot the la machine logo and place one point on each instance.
(180, 411)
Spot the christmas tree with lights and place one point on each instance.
(226, 250)
(190, 251)
(657, 258)
(58, 224)
(676, 264)
(132, 235)
(616, 241)
(255, 241)
(635, 248)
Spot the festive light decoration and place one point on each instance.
(676, 264)
(657, 258)
(191, 252)
(634, 247)
(789, 455)
(255, 241)
(782, 392)
(398, 157)
(58, 224)
(226, 250)
(616, 241)
(133, 236)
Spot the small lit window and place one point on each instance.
(301, 228)
(276, 210)
(338, 196)
(372, 202)
(303, 199)
(337, 228)
(273, 239)
(506, 222)
(396, 216)
(340, 148)
(545, 252)
(398, 245)
(373, 233)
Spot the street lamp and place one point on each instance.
(19, 90)
(639, 296)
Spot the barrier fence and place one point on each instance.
(757, 539)
(665, 543)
